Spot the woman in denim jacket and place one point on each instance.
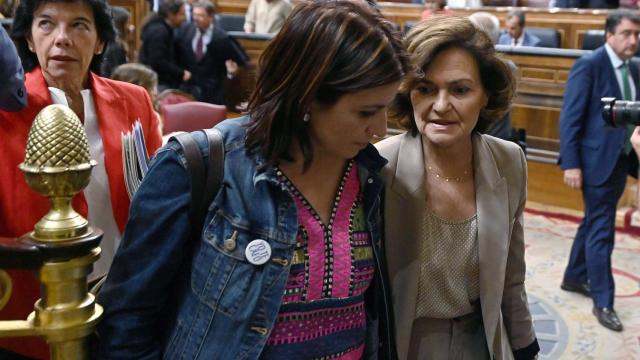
(288, 264)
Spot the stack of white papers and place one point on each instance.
(135, 159)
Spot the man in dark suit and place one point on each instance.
(597, 158)
(208, 53)
(516, 34)
(158, 50)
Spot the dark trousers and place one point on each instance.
(590, 259)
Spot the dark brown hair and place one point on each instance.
(21, 29)
(206, 5)
(615, 17)
(325, 49)
(428, 39)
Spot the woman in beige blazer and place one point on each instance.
(453, 204)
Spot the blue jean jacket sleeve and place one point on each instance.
(151, 253)
(13, 96)
(574, 110)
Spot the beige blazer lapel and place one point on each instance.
(492, 203)
(404, 209)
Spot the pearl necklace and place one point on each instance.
(448, 178)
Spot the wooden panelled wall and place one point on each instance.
(232, 6)
(571, 23)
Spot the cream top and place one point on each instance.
(449, 267)
(267, 16)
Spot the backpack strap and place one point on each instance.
(215, 170)
(206, 181)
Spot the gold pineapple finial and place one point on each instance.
(58, 165)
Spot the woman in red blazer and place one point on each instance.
(60, 44)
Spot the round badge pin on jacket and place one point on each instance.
(258, 252)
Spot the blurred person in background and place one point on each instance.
(208, 53)
(7, 8)
(188, 11)
(490, 24)
(140, 74)
(116, 51)
(61, 45)
(516, 34)
(435, 8)
(266, 16)
(452, 4)
(158, 45)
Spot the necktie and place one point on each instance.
(199, 47)
(626, 85)
(626, 94)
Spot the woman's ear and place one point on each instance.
(30, 43)
(99, 47)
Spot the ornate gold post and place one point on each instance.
(62, 246)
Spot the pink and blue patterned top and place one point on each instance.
(322, 315)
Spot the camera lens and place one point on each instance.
(620, 113)
(607, 110)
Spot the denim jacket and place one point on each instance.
(169, 295)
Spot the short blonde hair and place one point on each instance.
(429, 38)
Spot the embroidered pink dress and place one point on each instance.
(322, 315)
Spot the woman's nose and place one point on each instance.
(62, 37)
(442, 102)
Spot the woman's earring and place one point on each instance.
(306, 117)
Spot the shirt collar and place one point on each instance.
(615, 59)
(58, 96)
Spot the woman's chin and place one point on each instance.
(443, 139)
(64, 73)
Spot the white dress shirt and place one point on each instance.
(206, 39)
(617, 63)
(97, 193)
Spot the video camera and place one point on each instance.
(620, 113)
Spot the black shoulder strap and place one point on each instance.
(205, 180)
(215, 168)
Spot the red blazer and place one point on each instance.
(118, 105)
